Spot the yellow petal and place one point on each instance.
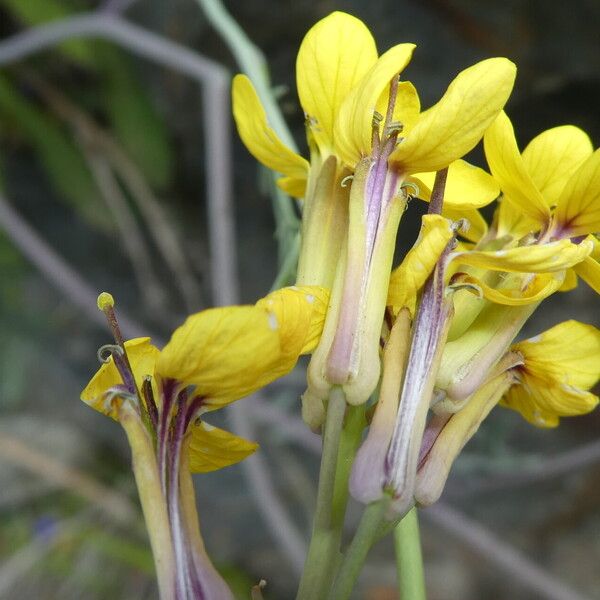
(543, 405)
(552, 157)
(293, 186)
(227, 352)
(578, 209)
(545, 258)
(508, 168)
(589, 270)
(258, 137)
(451, 128)
(407, 279)
(300, 314)
(476, 226)
(211, 448)
(540, 287)
(570, 282)
(568, 353)
(333, 57)
(467, 186)
(353, 126)
(142, 357)
(512, 221)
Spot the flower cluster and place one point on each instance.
(429, 344)
(436, 333)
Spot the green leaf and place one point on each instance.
(61, 159)
(134, 118)
(38, 12)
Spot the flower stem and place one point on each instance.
(325, 540)
(365, 536)
(350, 439)
(409, 559)
(154, 508)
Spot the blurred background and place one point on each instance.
(107, 160)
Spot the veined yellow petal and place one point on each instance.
(407, 279)
(507, 166)
(476, 227)
(589, 270)
(568, 353)
(467, 186)
(227, 352)
(293, 186)
(211, 448)
(300, 314)
(578, 209)
(512, 221)
(334, 55)
(552, 157)
(451, 128)
(540, 287)
(142, 357)
(545, 258)
(543, 405)
(258, 137)
(353, 127)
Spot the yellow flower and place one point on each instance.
(551, 195)
(224, 353)
(334, 55)
(344, 91)
(559, 367)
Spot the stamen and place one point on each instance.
(106, 304)
(394, 128)
(118, 392)
(392, 101)
(106, 352)
(413, 186)
(346, 180)
(375, 125)
(151, 407)
(377, 119)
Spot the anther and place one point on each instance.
(377, 119)
(462, 225)
(393, 128)
(107, 351)
(346, 181)
(412, 186)
(114, 393)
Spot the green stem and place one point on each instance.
(365, 536)
(252, 62)
(409, 559)
(350, 439)
(325, 540)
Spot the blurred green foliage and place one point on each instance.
(101, 81)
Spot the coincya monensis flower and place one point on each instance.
(216, 357)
